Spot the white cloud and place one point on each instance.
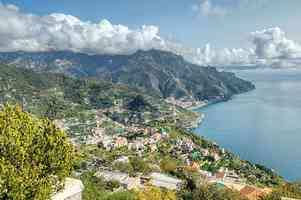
(207, 8)
(271, 47)
(273, 44)
(27, 32)
(226, 56)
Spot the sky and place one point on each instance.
(212, 32)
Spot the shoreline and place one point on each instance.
(198, 121)
(199, 106)
(196, 109)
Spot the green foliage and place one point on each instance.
(35, 156)
(272, 196)
(94, 187)
(138, 103)
(123, 195)
(154, 193)
(139, 165)
(211, 192)
(98, 189)
(54, 106)
(290, 190)
(168, 165)
(123, 167)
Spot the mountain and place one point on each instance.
(58, 96)
(158, 72)
(30, 88)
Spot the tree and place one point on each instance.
(168, 165)
(121, 195)
(138, 103)
(211, 192)
(35, 156)
(53, 107)
(290, 190)
(139, 165)
(153, 193)
(94, 186)
(272, 196)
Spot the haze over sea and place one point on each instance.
(264, 125)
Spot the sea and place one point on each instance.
(263, 125)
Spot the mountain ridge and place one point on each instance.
(161, 72)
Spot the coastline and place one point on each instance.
(199, 105)
(196, 109)
(198, 121)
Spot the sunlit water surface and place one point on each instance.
(264, 125)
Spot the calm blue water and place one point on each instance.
(264, 125)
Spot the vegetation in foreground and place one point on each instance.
(35, 156)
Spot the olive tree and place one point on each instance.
(35, 156)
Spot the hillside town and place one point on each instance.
(112, 137)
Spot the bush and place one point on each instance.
(123, 167)
(168, 165)
(272, 196)
(94, 186)
(35, 156)
(290, 190)
(154, 193)
(122, 195)
(212, 192)
(139, 165)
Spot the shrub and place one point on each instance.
(94, 186)
(211, 192)
(139, 165)
(168, 165)
(153, 193)
(35, 156)
(290, 190)
(122, 195)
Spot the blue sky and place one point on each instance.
(177, 19)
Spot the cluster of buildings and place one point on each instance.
(223, 178)
(140, 138)
(185, 102)
(186, 149)
(136, 138)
